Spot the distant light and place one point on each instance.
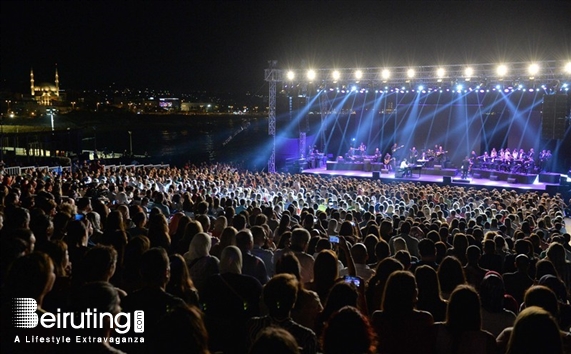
(290, 75)
(459, 88)
(336, 75)
(533, 69)
(386, 74)
(353, 88)
(568, 68)
(440, 72)
(468, 72)
(358, 74)
(311, 75)
(530, 90)
(410, 73)
(353, 139)
(498, 87)
(506, 90)
(420, 88)
(502, 70)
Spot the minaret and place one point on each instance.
(32, 81)
(57, 83)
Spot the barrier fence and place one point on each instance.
(19, 170)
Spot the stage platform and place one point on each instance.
(448, 176)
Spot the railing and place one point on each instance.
(18, 170)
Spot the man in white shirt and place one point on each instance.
(360, 256)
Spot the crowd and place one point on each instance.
(228, 261)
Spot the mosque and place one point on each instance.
(45, 93)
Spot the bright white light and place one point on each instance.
(568, 68)
(386, 74)
(311, 74)
(336, 75)
(290, 75)
(440, 72)
(502, 70)
(468, 72)
(353, 88)
(498, 87)
(410, 73)
(459, 88)
(358, 74)
(533, 69)
(420, 88)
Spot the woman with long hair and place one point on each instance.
(376, 285)
(348, 332)
(450, 275)
(180, 284)
(462, 332)
(398, 321)
(159, 232)
(308, 306)
(429, 298)
(227, 238)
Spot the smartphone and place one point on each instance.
(334, 239)
(79, 217)
(352, 280)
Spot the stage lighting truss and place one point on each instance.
(511, 76)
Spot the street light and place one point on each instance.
(130, 143)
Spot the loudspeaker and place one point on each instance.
(493, 178)
(512, 180)
(553, 121)
(376, 175)
(447, 179)
(384, 170)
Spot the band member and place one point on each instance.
(378, 155)
(404, 168)
(515, 154)
(493, 154)
(387, 161)
(531, 154)
(362, 148)
(413, 154)
(466, 167)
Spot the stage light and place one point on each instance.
(353, 88)
(440, 72)
(498, 87)
(533, 69)
(358, 74)
(568, 68)
(290, 75)
(502, 70)
(459, 88)
(311, 74)
(420, 88)
(468, 72)
(410, 73)
(336, 75)
(386, 74)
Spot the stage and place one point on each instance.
(448, 176)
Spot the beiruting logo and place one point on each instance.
(25, 316)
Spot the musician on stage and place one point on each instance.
(493, 154)
(413, 154)
(387, 162)
(404, 168)
(378, 155)
(362, 148)
(466, 167)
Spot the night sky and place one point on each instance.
(225, 46)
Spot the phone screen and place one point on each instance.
(333, 239)
(352, 280)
